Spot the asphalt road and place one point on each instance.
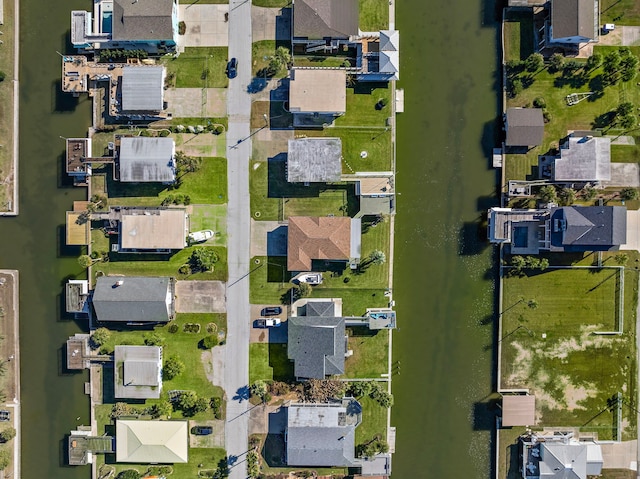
(236, 376)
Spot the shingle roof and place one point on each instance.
(147, 160)
(525, 127)
(137, 372)
(146, 442)
(589, 228)
(143, 88)
(316, 345)
(137, 299)
(319, 435)
(573, 18)
(585, 159)
(389, 41)
(321, 309)
(317, 19)
(563, 461)
(314, 160)
(323, 238)
(142, 20)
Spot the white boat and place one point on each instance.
(200, 236)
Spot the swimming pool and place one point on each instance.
(107, 21)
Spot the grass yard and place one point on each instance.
(321, 61)
(6, 108)
(508, 458)
(370, 353)
(271, 3)
(260, 54)
(269, 362)
(374, 421)
(354, 301)
(162, 264)
(210, 217)
(586, 115)
(362, 106)
(274, 198)
(266, 283)
(374, 15)
(622, 12)
(518, 35)
(208, 185)
(572, 371)
(198, 67)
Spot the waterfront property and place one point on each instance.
(137, 372)
(323, 25)
(324, 238)
(322, 434)
(376, 193)
(314, 160)
(317, 96)
(557, 229)
(151, 25)
(583, 159)
(143, 159)
(143, 90)
(524, 126)
(152, 442)
(573, 21)
(136, 300)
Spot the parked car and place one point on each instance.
(232, 68)
(201, 430)
(271, 311)
(267, 322)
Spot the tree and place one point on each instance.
(154, 339)
(280, 60)
(533, 304)
(201, 405)
(627, 121)
(162, 408)
(5, 458)
(203, 259)
(85, 261)
(173, 367)
(539, 102)
(303, 290)
(258, 389)
(548, 194)
(567, 196)
(628, 65)
(594, 61)
(129, 474)
(556, 62)
(621, 258)
(382, 397)
(186, 401)
(516, 87)
(629, 193)
(186, 164)
(624, 108)
(534, 62)
(7, 434)
(589, 193)
(100, 336)
(377, 257)
(571, 66)
(611, 66)
(360, 388)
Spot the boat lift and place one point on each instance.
(575, 98)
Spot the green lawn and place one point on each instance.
(198, 67)
(208, 185)
(320, 61)
(161, 264)
(374, 15)
(572, 371)
(269, 362)
(210, 217)
(260, 54)
(370, 353)
(267, 285)
(508, 459)
(271, 3)
(374, 421)
(621, 12)
(363, 108)
(554, 88)
(518, 35)
(274, 198)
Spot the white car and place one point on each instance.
(200, 236)
(267, 322)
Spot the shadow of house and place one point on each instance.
(277, 241)
(283, 28)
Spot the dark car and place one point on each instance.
(271, 311)
(232, 68)
(201, 430)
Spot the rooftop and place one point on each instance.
(525, 127)
(150, 442)
(518, 410)
(143, 88)
(574, 18)
(318, 91)
(320, 238)
(585, 158)
(316, 345)
(142, 20)
(153, 229)
(319, 19)
(147, 159)
(588, 228)
(314, 160)
(138, 372)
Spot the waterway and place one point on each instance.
(444, 281)
(52, 400)
(444, 277)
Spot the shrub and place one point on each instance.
(99, 337)
(3, 75)
(629, 193)
(191, 328)
(556, 62)
(210, 341)
(173, 367)
(129, 474)
(218, 129)
(7, 434)
(164, 133)
(182, 28)
(203, 259)
(184, 269)
(534, 62)
(258, 389)
(154, 339)
(539, 102)
(173, 328)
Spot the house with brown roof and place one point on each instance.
(325, 238)
(317, 96)
(323, 25)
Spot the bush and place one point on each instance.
(539, 102)
(7, 434)
(173, 367)
(154, 339)
(210, 341)
(629, 194)
(218, 129)
(203, 259)
(191, 328)
(5, 458)
(258, 389)
(534, 62)
(173, 328)
(556, 62)
(184, 269)
(164, 133)
(3, 75)
(129, 474)
(182, 28)
(99, 337)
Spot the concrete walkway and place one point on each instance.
(205, 24)
(236, 374)
(196, 102)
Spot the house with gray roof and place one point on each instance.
(151, 25)
(524, 126)
(559, 456)
(143, 89)
(323, 25)
(584, 159)
(322, 435)
(137, 372)
(574, 21)
(135, 300)
(147, 160)
(557, 229)
(314, 160)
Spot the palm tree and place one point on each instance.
(377, 257)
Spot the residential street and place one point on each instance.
(236, 376)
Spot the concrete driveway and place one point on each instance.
(624, 174)
(267, 420)
(277, 335)
(268, 238)
(196, 102)
(206, 26)
(633, 231)
(200, 297)
(270, 23)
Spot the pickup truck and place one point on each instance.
(267, 322)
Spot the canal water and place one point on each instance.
(444, 283)
(444, 278)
